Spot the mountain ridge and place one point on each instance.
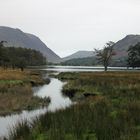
(120, 48)
(122, 45)
(18, 38)
(79, 54)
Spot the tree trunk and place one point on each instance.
(13, 66)
(22, 69)
(105, 67)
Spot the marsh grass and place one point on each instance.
(111, 84)
(113, 114)
(83, 121)
(64, 124)
(16, 90)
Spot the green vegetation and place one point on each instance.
(92, 61)
(16, 90)
(111, 114)
(88, 61)
(69, 124)
(20, 57)
(134, 56)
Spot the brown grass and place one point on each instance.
(112, 114)
(16, 90)
(10, 74)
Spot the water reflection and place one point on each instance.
(53, 90)
(8, 122)
(58, 101)
(83, 68)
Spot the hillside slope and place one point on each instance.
(17, 38)
(79, 54)
(122, 45)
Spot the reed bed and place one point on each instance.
(16, 90)
(111, 114)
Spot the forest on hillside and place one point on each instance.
(20, 57)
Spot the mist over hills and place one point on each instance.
(17, 38)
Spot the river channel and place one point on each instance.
(58, 101)
(53, 91)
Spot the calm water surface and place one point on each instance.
(82, 68)
(53, 90)
(58, 101)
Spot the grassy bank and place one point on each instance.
(108, 109)
(118, 86)
(16, 90)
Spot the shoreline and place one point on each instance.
(102, 100)
(16, 92)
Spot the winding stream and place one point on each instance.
(58, 101)
(53, 90)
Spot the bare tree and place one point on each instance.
(2, 43)
(104, 56)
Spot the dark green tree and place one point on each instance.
(134, 56)
(21, 63)
(104, 56)
(3, 58)
(20, 57)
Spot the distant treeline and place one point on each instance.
(20, 57)
(88, 61)
(92, 61)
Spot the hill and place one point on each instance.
(120, 47)
(17, 38)
(79, 54)
(87, 61)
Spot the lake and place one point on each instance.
(82, 68)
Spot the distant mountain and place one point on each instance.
(86, 61)
(122, 46)
(17, 38)
(79, 54)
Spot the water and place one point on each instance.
(58, 101)
(53, 90)
(83, 68)
(8, 122)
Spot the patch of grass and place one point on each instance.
(83, 121)
(68, 76)
(16, 90)
(116, 85)
(113, 114)
(11, 82)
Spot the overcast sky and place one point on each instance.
(67, 26)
